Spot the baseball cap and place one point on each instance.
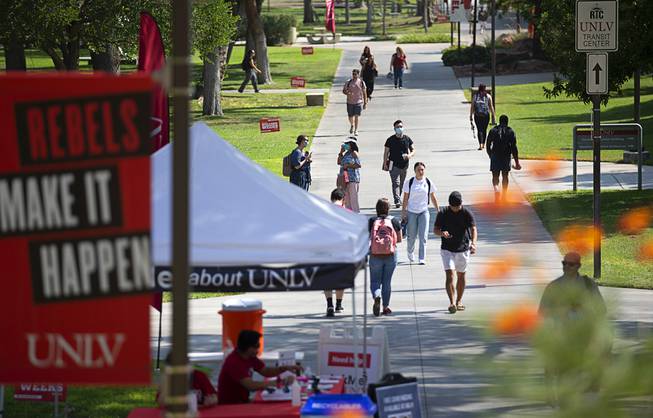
(455, 199)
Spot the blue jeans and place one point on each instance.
(399, 76)
(418, 225)
(381, 269)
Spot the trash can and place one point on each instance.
(237, 315)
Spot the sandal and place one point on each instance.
(452, 309)
(460, 306)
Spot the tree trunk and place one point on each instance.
(223, 51)
(15, 56)
(255, 30)
(537, 50)
(308, 11)
(230, 50)
(58, 62)
(346, 12)
(636, 97)
(107, 60)
(370, 16)
(211, 105)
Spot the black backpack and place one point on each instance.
(428, 194)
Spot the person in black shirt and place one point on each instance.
(250, 68)
(457, 227)
(501, 145)
(398, 151)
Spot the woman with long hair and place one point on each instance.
(479, 113)
(365, 56)
(398, 64)
(385, 233)
(368, 74)
(349, 176)
(300, 163)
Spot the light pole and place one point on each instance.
(494, 54)
(474, 41)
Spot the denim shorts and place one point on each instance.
(354, 109)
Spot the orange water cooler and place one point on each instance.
(238, 315)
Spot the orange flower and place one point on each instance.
(645, 252)
(578, 238)
(635, 221)
(519, 319)
(546, 168)
(501, 268)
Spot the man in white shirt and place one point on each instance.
(418, 193)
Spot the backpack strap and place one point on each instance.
(428, 194)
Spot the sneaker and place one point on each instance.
(422, 262)
(356, 133)
(339, 308)
(351, 129)
(397, 205)
(376, 309)
(387, 311)
(411, 257)
(330, 311)
(399, 87)
(452, 309)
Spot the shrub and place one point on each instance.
(277, 28)
(451, 56)
(423, 38)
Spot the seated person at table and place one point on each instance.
(235, 381)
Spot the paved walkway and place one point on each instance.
(436, 117)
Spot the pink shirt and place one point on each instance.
(354, 91)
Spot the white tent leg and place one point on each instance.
(355, 337)
(365, 330)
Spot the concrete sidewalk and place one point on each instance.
(435, 114)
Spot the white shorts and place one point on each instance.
(455, 261)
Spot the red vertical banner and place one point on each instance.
(151, 58)
(330, 17)
(75, 229)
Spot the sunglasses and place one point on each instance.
(567, 263)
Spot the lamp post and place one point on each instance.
(474, 41)
(494, 54)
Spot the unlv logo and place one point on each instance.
(91, 351)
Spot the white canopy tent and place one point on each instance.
(241, 215)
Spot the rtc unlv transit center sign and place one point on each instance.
(75, 228)
(597, 26)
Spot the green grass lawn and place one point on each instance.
(620, 266)
(285, 62)
(544, 127)
(395, 25)
(240, 126)
(96, 402)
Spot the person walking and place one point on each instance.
(385, 233)
(368, 73)
(482, 17)
(356, 92)
(300, 163)
(398, 64)
(365, 56)
(337, 198)
(418, 193)
(349, 175)
(501, 145)
(457, 227)
(250, 68)
(479, 113)
(398, 151)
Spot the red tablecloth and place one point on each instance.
(272, 410)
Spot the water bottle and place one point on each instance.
(295, 393)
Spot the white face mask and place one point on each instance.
(399, 130)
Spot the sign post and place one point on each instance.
(597, 31)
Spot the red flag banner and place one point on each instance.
(330, 18)
(151, 57)
(75, 228)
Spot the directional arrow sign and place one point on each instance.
(597, 74)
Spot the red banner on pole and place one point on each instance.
(269, 125)
(151, 58)
(75, 228)
(330, 17)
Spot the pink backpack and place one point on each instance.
(384, 237)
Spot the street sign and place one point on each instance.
(298, 82)
(597, 74)
(307, 50)
(597, 24)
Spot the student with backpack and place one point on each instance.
(385, 233)
(418, 193)
(300, 164)
(249, 66)
(479, 113)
